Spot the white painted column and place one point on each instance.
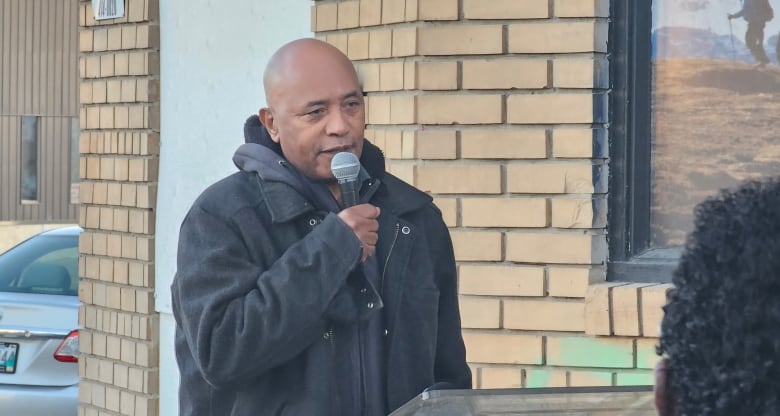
(212, 59)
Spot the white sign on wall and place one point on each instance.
(108, 9)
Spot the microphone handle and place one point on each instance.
(349, 193)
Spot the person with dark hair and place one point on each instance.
(292, 299)
(720, 334)
(756, 13)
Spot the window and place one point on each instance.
(29, 159)
(694, 110)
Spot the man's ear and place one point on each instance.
(267, 118)
(664, 400)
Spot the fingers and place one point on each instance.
(363, 221)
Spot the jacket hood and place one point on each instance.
(255, 132)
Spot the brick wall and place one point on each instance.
(499, 109)
(119, 146)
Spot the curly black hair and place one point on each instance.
(721, 328)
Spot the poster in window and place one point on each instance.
(715, 104)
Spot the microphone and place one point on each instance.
(346, 167)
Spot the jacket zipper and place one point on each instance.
(387, 260)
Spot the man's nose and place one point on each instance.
(337, 124)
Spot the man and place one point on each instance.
(756, 13)
(721, 329)
(286, 304)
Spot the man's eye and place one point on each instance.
(353, 104)
(316, 112)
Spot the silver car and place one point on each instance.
(39, 339)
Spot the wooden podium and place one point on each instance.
(571, 401)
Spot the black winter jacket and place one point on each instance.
(264, 285)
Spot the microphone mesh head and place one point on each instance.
(345, 166)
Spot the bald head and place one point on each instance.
(302, 58)
(315, 105)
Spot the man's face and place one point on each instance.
(316, 112)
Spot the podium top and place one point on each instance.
(579, 401)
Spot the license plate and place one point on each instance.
(8, 353)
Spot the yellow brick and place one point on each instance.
(100, 40)
(393, 11)
(503, 144)
(501, 280)
(625, 309)
(480, 312)
(127, 90)
(459, 109)
(436, 144)
(357, 45)
(85, 40)
(379, 109)
(327, 16)
(501, 378)
(492, 348)
(85, 93)
(404, 171)
(461, 39)
(459, 179)
(92, 66)
(409, 144)
(571, 282)
(535, 247)
(544, 315)
(504, 212)
(380, 44)
(544, 377)
(101, 193)
(550, 178)
(572, 143)
(405, 42)
(370, 12)
(393, 144)
(106, 66)
(449, 210)
(505, 9)
(437, 10)
(368, 73)
(504, 74)
(558, 37)
(545, 108)
(437, 75)
(572, 213)
(113, 91)
(114, 38)
(348, 14)
(590, 378)
(410, 75)
(581, 8)
(402, 109)
(597, 312)
(476, 245)
(391, 76)
(653, 300)
(411, 10)
(121, 64)
(574, 73)
(121, 117)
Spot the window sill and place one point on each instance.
(656, 265)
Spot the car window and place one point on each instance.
(42, 264)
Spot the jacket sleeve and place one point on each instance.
(450, 368)
(240, 318)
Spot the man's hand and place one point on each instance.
(363, 221)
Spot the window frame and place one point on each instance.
(631, 258)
